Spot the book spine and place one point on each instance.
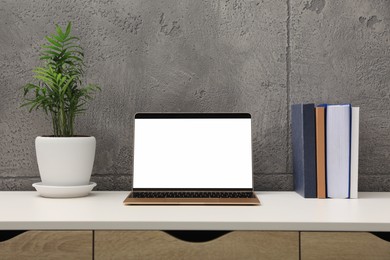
(309, 140)
(297, 147)
(354, 153)
(349, 151)
(320, 152)
(303, 139)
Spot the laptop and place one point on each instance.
(192, 158)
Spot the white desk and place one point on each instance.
(285, 211)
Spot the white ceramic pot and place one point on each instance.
(65, 161)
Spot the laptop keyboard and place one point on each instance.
(192, 194)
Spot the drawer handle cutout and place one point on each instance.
(196, 236)
(382, 235)
(9, 234)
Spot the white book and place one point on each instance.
(338, 129)
(354, 152)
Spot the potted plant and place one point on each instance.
(64, 159)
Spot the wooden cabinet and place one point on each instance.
(48, 245)
(160, 245)
(343, 246)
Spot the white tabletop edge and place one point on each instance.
(280, 211)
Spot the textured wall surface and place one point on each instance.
(256, 56)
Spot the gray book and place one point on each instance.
(304, 153)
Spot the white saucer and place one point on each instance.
(50, 191)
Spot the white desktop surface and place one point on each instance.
(279, 211)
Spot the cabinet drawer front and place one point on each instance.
(48, 245)
(160, 245)
(343, 245)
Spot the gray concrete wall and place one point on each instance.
(257, 56)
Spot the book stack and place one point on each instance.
(325, 142)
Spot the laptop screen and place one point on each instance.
(194, 151)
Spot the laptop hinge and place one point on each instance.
(189, 190)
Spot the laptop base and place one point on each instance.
(191, 201)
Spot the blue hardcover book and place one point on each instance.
(304, 149)
(338, 150)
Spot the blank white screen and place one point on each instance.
(192, 153)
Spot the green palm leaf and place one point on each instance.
(58, 91)
(54, 42)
